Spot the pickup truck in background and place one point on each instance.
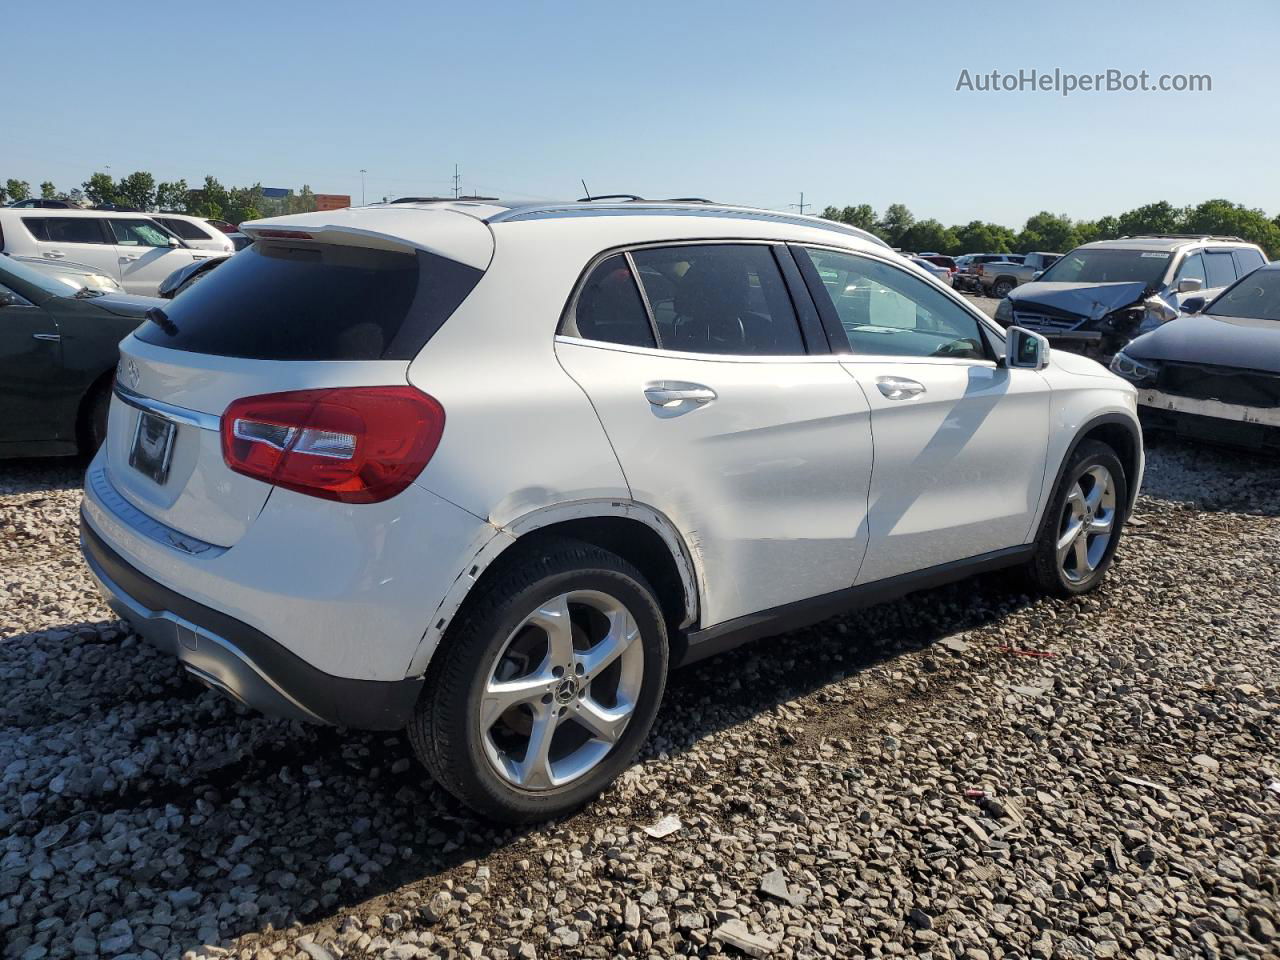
(966, 277)
(997, 278)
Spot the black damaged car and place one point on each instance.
(1101, 295)
(1214, 375)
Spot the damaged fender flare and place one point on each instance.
(499, 539)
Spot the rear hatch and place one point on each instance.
(309, 306)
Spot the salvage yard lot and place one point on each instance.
(967, 772)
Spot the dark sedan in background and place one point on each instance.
(58, 355)
(1213, 374)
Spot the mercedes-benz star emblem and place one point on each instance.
(566, 690)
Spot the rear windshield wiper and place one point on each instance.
(161, 320)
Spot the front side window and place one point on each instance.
(886, 311)
(1192, 268)
(138, 233)
(1219, 269)
(719, 298)
(609, 307)
(65, 229)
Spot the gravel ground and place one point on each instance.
(970, 773)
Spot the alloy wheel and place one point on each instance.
(561, 690)
(1087, 523)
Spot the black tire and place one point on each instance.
(446, 731)
(1001, 289)
(93, 429)
(1046, 569)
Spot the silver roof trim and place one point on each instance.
(555, 211)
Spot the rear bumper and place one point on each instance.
(237, 659)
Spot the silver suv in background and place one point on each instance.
(966, 277)
(1101, 295)
(997, 279)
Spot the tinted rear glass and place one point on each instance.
(316, 302)
(184, 229)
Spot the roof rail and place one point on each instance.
(467, 197)
(1182, 236)
(611, 196)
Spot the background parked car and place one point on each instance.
(998, 278)
(967, 279)
(58, 353)
(1214, 375)
(131, 248)
(46, 204)
(198, 234)
(941, 274)
(74, 275)
(1101, 295)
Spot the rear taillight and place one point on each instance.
(353, 444)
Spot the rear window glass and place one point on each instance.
(609, 306)
(316, 302)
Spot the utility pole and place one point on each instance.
(363, 171)
(456, 180)
(801, 205)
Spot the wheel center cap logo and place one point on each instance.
(566, 690)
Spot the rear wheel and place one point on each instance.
(547, 688)
(93, 429)
(1001, 289)
(1081, 528)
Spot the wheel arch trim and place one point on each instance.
(498, 539)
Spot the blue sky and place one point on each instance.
(742, 101)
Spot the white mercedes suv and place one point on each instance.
(486, 471)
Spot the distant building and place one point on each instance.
(332, 201)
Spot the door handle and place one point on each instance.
(899, 388)
(666, 393)
(54, 255)
(127, 259)
(51, 337)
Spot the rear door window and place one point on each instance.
(1247, 261)
(272, 301)
(719, 298)
(1219, 268)
(609, 308)
(66, 229)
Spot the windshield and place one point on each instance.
(1257, 295)
(1100, 265)
(11, 268)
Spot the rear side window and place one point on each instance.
(719, 298)
(66, 229)
(609, 307)
(182, 228)
(319, 302)
(1219, 268)
(1247, 261)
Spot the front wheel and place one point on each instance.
(1081, 528)
(548, 686)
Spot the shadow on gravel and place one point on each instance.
(150, 799)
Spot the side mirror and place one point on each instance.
(175, 242)
(1189, 285)
(1022, 348)
(1193, 304)
(1036, 275)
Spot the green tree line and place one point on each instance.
(141, 191)
(1057, 232)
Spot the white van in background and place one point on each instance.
(130, 248)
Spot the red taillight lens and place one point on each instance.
(353, 444)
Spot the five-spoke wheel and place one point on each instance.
(1088, 519)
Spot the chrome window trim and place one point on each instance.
(167, 411)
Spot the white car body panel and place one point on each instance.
(213, 239)
(767, 482)
(958, 467)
